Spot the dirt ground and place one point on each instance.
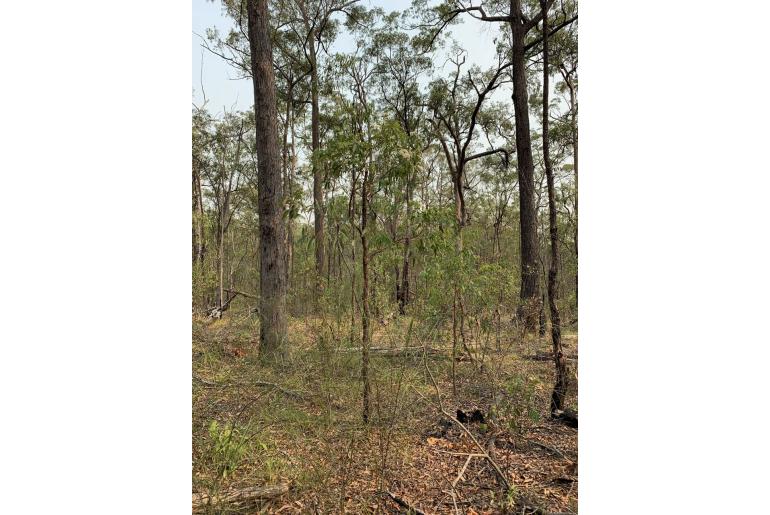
(298, 425)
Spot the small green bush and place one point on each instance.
(227, 447)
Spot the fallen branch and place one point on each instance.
(460, 475)
(275, 386)
(396, 351)
(549, 357)
(205, 383)
(401, 502)
(448, 415)
(290, 393)
(552, 449)
(242, 495)
(218, 311)
(243, 293)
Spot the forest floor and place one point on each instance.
(299, 424)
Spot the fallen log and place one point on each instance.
(548, 357)
(242, 495)
(397, 351)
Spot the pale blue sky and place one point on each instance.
(222, 91)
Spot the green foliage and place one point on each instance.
(519, 405)
(227, 445)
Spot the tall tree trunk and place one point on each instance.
(560, 384)
(529, 305)
(318, 196)
(272, 278)
(365, 297)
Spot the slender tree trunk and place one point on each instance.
(573, 111)
(196, 222)
(529, 305)
(220, 241)
(403, 291)
(287, 177)
(318, 197)
(454, 343)
(351, 222)
(272, 279)
(365, 297)
(290, 221)
(231, 262)
(199, 238)
(560, 385)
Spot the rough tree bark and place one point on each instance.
(529, 304)
(272, 279)
(560, 384)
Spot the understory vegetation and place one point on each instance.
(299, 423)
(385, 250)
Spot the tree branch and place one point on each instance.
(556, 29)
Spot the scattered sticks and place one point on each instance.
(451, 417)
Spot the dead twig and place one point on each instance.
(460, 475)
(549, 448)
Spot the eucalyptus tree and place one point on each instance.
(564, 58)
(455, 106)
(293, 92)
(201, 139)
(560, 384)
(398, 71)
(300, 31)
(272, 277)
(311, 22)
(372, 149)
(221, 158)
(519, 21)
